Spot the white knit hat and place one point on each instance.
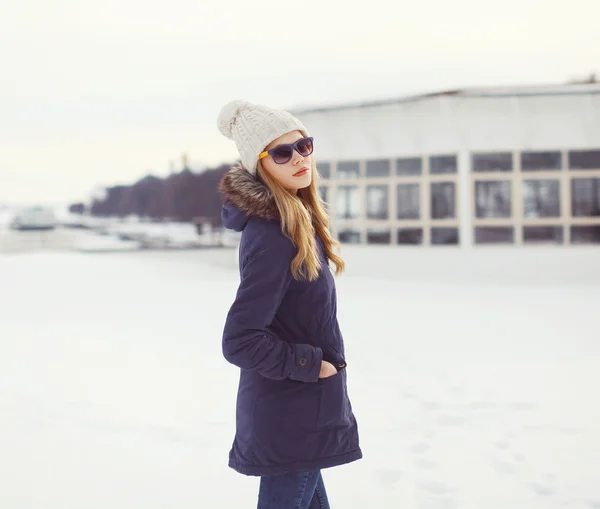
(253, 127)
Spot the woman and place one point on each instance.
(293, 415)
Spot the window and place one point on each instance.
(543, 234)
(498, 162)
(585, 197)
(409, 166)
(378, 168)
(377, 202)
(585, 234)
(492, 199)
(410, 236)
(541, 198)
(349, 236)
(324, 170)
(378, 236)
(442, 164)
(442, 200)
(494, 235)
(584, 160)
(541, 161)
(348, 202)
(323, 191)
(408, 201)
(441, 236)
(544, 213)
(347, 170)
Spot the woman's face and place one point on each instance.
(296, 173)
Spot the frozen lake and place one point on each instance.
(114, 393)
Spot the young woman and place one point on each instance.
(293, 414)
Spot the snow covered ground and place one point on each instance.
(109, 234)
(114, 393)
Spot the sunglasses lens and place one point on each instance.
(305, 147)
(282, 154)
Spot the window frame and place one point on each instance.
(564, 175)
(424, 180)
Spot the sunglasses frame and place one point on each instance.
(293, 146)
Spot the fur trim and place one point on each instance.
(247, 193)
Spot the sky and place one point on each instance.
(98, 93)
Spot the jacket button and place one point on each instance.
(302, 361)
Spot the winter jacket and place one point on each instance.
(278, 331)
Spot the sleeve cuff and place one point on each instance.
(307, 363)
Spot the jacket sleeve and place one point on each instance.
(247, 340)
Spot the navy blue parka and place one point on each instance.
(277, 331)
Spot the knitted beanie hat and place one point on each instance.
(253, 126)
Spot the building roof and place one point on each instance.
(514, 91)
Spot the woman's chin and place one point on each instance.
(298, 183)
(305, 181)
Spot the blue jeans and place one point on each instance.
(300, 490)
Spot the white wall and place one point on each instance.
(538, 265)
(559, 118)
(453, 123)
(440, 264)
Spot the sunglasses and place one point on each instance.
(282, 154)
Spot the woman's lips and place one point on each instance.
(301, 172)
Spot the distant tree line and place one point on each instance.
(181, 196)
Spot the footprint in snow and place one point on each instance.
(435, 487)
(431, 405)
(542, 489)
(502, 445)
(438, 503)
(424, 463)
(388, 476)
(501, 467)
(523, 405)
(455, 389)
(482, 405)
(451, 420)
(419, 448)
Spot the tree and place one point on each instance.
(181, 196)
(77, 208)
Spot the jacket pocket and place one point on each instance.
(284, 416)
(333, 401)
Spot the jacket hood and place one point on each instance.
(245, 196)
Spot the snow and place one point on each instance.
(96, 234)
(166, 234)
(470, 392)
(91, 241)
(5, 217)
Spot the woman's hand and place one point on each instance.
(327, 370)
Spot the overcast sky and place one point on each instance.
(98, 92)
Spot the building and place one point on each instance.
(515, 166)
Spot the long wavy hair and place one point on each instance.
(302, 216)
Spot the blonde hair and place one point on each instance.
(302, 215)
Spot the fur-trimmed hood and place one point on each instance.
(245, 196)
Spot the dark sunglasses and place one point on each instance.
(282, 154)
